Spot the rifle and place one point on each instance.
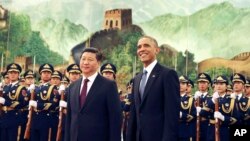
(198, 121)
(59, 130)
(217, 122)
(27, 130)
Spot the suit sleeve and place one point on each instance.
(115, 114)
(68, 116)
(171, 106)
(131, 130)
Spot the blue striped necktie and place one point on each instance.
(143, 83)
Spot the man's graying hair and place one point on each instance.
(150, 38)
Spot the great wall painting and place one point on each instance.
(215, 31)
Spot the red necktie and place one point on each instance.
(83, 92)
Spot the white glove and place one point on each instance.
(215, 96)
(63, 104)
(198, 110)
(233, 96)
(2, 100)
(61, 89)
(197, 94)
(180, 114)
(219, 116)
(32, 87)
(33, 103)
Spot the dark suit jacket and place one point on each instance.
(100, 117)
(155, 116)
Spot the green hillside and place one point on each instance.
(20, 40)
(219, 30)
(61, 36)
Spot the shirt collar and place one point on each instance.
(150, 67)
(239, 95)
(223, 96)
(204, 94)
(183, 94)
(14, 83)
(91, 78)
(45, 84)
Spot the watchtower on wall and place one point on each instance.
(117, 19)
(23, 61)
(3, 17)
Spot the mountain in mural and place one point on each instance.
(61, 37)
(218, 30)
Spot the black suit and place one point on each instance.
(100, 117)
(155, 116)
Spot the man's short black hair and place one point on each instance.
(93, 50)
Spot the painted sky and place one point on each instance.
(143, 10)
(90, 13)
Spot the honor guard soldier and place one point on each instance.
(187, 112)
(222, 117)
(74, 72)
(229, 89)
(21, 80)
(14, 99)
(63, 107)
(56, 78)
(189, 93)
(126, 104)
(190, 87)
(214, 86)
(238, 81)
(65, 81)
(247, 94)
(108, 70)
(46, 100)
(6, 80)
(202, 97)
(29, 78)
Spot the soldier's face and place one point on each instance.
(189, 89)
(89, 64)
(45, 76)
(55, 81)
(29, 81)
(147, 51)
(247, 90)
(183, 87)
(203, 86)
(108, 75)
(74, 76)
(13, 76)
(6, 80)
(221, 87)
(238, 86)
(65, 84)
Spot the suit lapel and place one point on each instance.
(77, 97)
(152, 77)
(92, 91)
(137, 86)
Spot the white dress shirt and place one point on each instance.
(90, 82)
